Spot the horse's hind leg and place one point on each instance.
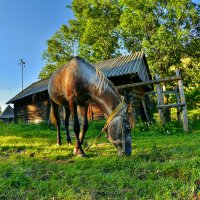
(67, 115)
(54, 116)
(83, 111)
(73, 108)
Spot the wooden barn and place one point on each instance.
(8, 115)
(33, 105)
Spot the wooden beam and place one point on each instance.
(171, 105)
(178, 108)
(160, 101)
(164, 92)
(182, 99)
(145, 110)
(173, 78)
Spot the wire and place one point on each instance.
(11, 88)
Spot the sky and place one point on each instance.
(25, 26)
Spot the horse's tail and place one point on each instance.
(53, 116)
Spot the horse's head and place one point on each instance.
(118, 131)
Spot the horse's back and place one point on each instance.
(71, 79)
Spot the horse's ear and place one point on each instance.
(129, 112)
(129, 108)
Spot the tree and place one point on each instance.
(92, 35)
(167, 31)
(98, 36)
(163, 29)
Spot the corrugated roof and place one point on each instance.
(7, 113)
(36, 87)
(123, 65)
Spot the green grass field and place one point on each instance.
(165, 164)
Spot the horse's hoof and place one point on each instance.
(69, 143)
(78, 152)
(81, 155)
(59, 144)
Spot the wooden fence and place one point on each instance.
(179, 93)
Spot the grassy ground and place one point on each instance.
(165, 164)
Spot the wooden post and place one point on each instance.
(182, 98)
(160, 101)
(178, 108)
(167, 111)
(145, 110)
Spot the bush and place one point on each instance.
(170, 128)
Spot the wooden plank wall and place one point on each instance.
(135, 95)
(29, 111)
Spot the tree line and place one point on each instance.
(167, 31)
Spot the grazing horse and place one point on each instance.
(75, 84)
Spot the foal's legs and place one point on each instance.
(67, 115)
(54, 116)
(73, 107)
(83, 111)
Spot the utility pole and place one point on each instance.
(22, 64)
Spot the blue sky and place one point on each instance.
(25, 26)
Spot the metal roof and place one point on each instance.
(123, 65)
(7, 113)
(34, 88)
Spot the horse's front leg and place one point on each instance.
(84, 129)
(78, 149)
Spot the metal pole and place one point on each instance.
(22, 63)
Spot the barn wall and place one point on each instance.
(27, 110)
(135, 96)
(95, 112)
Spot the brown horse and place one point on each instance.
(75, 84)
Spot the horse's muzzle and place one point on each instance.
(128, 150)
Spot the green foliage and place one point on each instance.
(161, 29)
(192, 95)
(171, 128)
(193, 98)
(98, 38)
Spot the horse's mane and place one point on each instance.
(104, 83)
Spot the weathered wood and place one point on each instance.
(178, 108)
(145, 110)
(167, 110)
(137, 96)
(173, 78)
(171, 105)
(160, 101)
(164, 92)
(182, 99)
